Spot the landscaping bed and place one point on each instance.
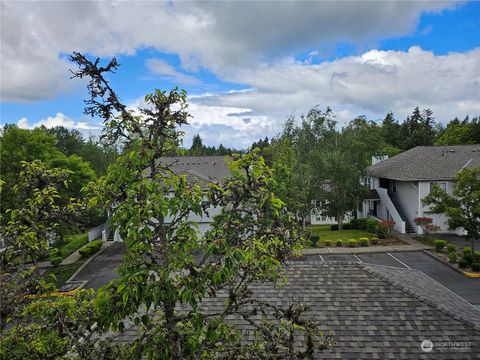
(461, 259)
(350, 236)
(62, 273)
(72, 243)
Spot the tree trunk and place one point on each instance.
(169, 309)
(340, 221)
(473, 249)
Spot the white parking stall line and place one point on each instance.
(321, 258)
(358, 259)
(329, 249)
(401, 262)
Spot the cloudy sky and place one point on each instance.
(247, 66)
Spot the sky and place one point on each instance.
(247, 66)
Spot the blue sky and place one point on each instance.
(251, 59)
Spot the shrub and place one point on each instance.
(476, 257)
(440, 244)
(476, 266)
(467, 250)
(468, 258)
(362, 224)
(352, 243)
(334, 227)
(90, 249)
(313, 240)
(374, 240)
(328, 242)
(339, 242)
(364, 241)
(387, 224)
(452, 257)
(56, 260)
(372, 225)
(355, 224)
(462, 264)
(451, 248)
(347, 226)
(382, 232)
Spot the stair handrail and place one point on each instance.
(106, 230)
(385, 199)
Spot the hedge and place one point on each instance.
(91, 248)
(363, 241)
(440, 244)
(56, 260)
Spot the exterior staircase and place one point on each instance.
(110, 236)
(408, 226)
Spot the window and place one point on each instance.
(443, 185)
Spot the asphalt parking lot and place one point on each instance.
(102, 268)
(465, 287)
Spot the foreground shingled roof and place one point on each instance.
(428, 163)
(203, 169)
(373, 312)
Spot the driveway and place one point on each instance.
(103, 267)
(465, 287)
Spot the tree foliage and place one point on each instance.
(22, 145)
(199, 149)
(462, 206)
(27, 232)
(170, 270)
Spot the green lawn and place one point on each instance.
(326, 234)
(73, 243)
(62, 274)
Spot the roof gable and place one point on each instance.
(203, 169)
(428, 163)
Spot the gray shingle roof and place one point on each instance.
(199, 168)
(428, 163)
(370, 311)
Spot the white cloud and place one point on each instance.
(160, 67)
(220, 36)
(370, 84)
(58, 120)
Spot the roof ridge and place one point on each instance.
(437, 305)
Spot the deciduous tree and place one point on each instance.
(170, 269)
(462, 206)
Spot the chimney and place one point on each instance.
(378, 159)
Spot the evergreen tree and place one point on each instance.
(197, 148)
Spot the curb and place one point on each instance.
(87, 262)
(471, 275)
(464, 273)
(320, 251)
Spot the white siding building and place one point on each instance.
(404, 180)
(199, 170)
